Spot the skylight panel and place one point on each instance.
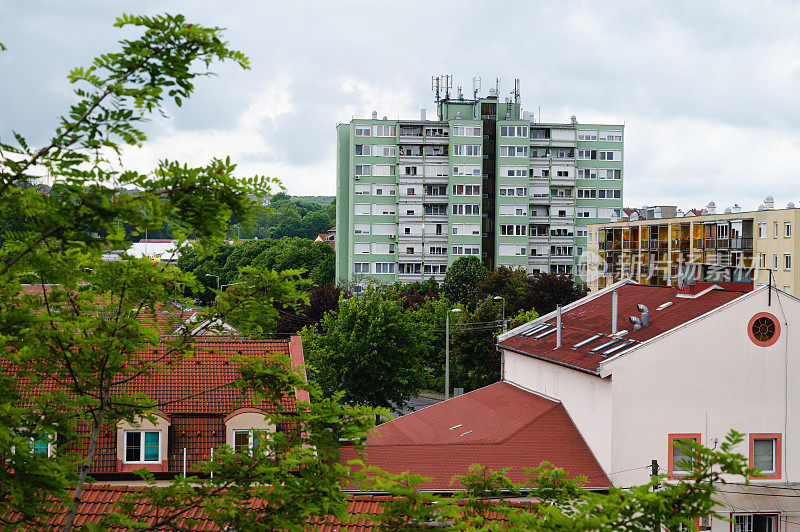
(664, 305)
(588, 341)
(600, 347)
(543, 334)
(620, 347)
(535, 330)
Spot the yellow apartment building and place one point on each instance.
(736, 246)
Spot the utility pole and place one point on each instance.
(654, 475)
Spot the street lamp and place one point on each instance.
(217, 276)
(498, 298)
(447, 353)
(229, 284)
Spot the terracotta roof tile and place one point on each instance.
(497, 426)
(594, 317)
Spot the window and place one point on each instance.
(362, 169)
(361, 190)
(41, 445)
(775, 233)
(512, 250)
(466, 229)
(384, 209)
(437, 250)
(467, 169)
(609, 193)
(436, 209)
(361, 208)
(466, 131)
(765, 454)
(363, 131)
(469, 150)
(384, 267)
(540, 133)
(762, 230)
(513, 210)
(411, 170)
(466, 249)
(583, 214)
(587, 173)
(609, 173)
(678, 458)
(361, 229)
(384, 170)
(466, 209)
(513, 151)
(514, 191)
(513, 171)
(362, 149)
(142, 446)
(586, 134)
(587, 193)
(466, 190)
(611, 136)
(762, 260)
(435, 170)
(383, 248)
(248, 441)
(587, 155)
(384, 190)
(384, 151)
(434, 269)
(787, 229)
(360, 267)
(385, 131)
(361, 248)
(774, 261)
(754, 522)
(512, 230)
(787, 261)
(610, 155)
(513, 131)
(787, 288)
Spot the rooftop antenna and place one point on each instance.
(497, 86)
(459, 93)
(436, 87)
(448, 84)
(476, 87)
(516, 90)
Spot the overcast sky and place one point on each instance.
(708, 91)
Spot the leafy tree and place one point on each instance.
(475, 361)
(546, 290)
(322, 298)
(463, 278)
(68, 349)
(371, 351)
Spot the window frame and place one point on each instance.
(777, 450)
(678, 474)
(142, 446)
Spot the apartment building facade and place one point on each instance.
(482, 179)
(738, 246)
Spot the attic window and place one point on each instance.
(465, 433)
(600, 347)
(588, 341)
(620, 347)
(664, 305)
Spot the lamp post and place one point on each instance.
(498, 298)
(447, 353)
(229, 284)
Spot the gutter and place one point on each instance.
(550, 360)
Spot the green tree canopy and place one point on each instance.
(463, 278)
(371, 351)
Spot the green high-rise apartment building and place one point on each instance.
(484, 179)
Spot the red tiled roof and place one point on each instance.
(497, 426)
(593, 316)
(99, 500)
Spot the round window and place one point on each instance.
(764, 329)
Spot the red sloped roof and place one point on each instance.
(593, 316)
(497, 426)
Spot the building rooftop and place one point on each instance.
(498, 426)
(590, 318)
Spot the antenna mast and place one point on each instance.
(516, 90)
(476, 87)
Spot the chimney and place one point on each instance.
(374, 115)
(728, 210)
(769, 203)
(644, 321)
(737, 208)
(574, 120)
(711, 207)
(614, 311)
(657, 213)
(422, 114)
(558, 326)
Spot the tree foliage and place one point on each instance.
(371, 351)
(463, 278)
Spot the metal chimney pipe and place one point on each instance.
(614, 311)
(558, 326)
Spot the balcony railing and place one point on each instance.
(741, 243)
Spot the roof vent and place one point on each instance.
(458, 115)
(574, 120)
(769, 203)
(761, 207)
(790, 205)
(737, 208)
(711, 207)
(508, 116)
(374, 115)
(728, 210)
(384, 117)
(644, 321)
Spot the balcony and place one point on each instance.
(539, 218)
(568, 181)
(562, 200)
(539, 259)
(741, 243)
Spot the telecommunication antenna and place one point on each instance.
(497, 86)
(476, 87)
(448, 84)
(436, 85)
(516, 90)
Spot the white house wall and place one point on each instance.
(586, 397)
(707, 378)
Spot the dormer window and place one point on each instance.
(247, 430)
(250, 441)
(41, 445)
(142, 446)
